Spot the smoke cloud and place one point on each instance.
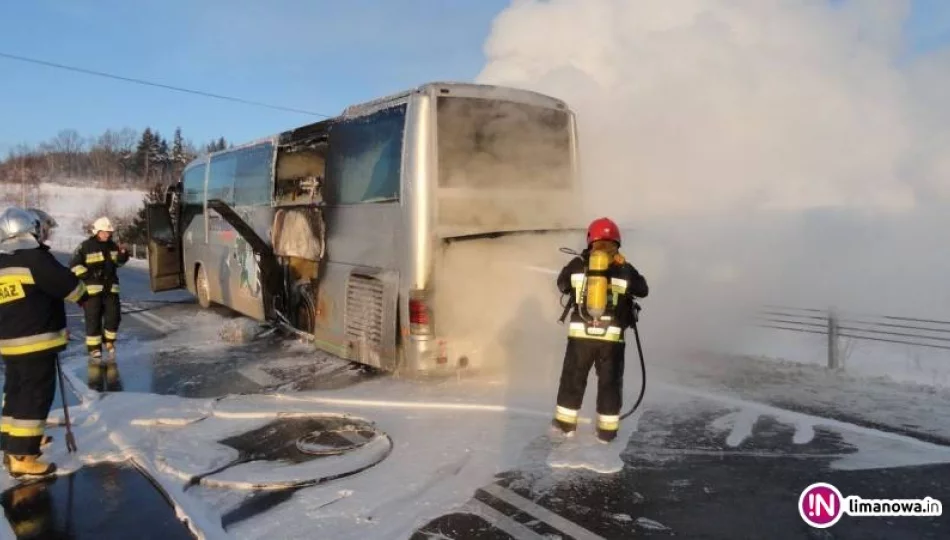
(755, 151)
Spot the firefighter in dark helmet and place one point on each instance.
(96, 261)
(33, 287)
(603, 286)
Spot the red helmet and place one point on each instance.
(603, 229)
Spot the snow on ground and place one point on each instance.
(71, 205)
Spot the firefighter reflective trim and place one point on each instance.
(110, 335)
(12, 280)
(93, 340)
(577, 282)
(563, 414)
(25, 428)
(77, 293)
(94, 289)
(17, 273)
(5, 424)
(114, 289)
(79, 270)
(617, 288)
(31, 344)
(580, 330)
(115, 255)
(608, 422)
(95, 257)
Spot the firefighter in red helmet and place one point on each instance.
(604, 287)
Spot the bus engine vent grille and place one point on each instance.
(364, 310)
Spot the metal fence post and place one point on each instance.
(135, 254)
(834, 360)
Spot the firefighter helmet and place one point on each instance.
(16, 221)
(603, 229)
(102, 224)
(46, 224)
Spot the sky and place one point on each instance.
(308, 54)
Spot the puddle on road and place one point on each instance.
(202, 373)
(100, 501)
(298, 440)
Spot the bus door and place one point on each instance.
(166, 270)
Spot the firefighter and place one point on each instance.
(603, 287)
(33, 287)
(96, 261)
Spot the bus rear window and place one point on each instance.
(486, 143)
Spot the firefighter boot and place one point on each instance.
(44, 443)
(29, 465)
(565, 428)
(95, 357)
(606, 435)
(110, 353)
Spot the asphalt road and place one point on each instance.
(701, 469)
(696, 467)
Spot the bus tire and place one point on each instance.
(202, 287)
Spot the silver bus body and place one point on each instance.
(359, 245)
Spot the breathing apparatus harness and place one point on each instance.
(595, 301)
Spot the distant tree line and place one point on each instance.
(116, 158)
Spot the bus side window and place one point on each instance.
(365, 160)
(252, 176)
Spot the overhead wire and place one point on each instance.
(158, 85)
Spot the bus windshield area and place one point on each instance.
(485, 143)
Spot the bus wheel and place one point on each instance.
(202, 287)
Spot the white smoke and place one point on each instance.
(759, 150)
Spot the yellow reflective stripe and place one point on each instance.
(94, 289)
(31, 344)
(77, 293)
(608, 422)
(111, 335)
(95, 257)
(17, 273)
(566, 415)
(25, 428)
(115, 255)
(577, 282)
(79, 269)
(5, 424)
(610, 334)
(93, 340)
(115, 288)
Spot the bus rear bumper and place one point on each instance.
(438, 355)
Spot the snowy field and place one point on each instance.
(71, 205)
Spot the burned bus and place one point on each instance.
(336, 230)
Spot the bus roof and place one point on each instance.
(462, 89)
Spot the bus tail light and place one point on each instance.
(420, 316)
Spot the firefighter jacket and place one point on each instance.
(625, 284)
(97, 264)
(33, 287)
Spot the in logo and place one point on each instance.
(821, 505)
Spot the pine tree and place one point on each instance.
(144, 154)
(178, 151)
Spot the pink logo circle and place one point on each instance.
(821, 505)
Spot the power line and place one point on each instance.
(158, 85)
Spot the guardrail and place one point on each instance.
(930, 333)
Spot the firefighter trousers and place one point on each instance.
(102, 320)
(28, 389)
(607, 358)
